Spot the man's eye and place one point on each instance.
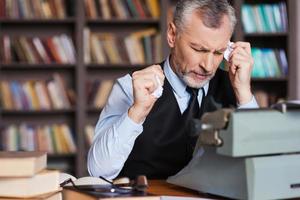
(218, 53)
(201, 50)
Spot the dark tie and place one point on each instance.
(193, 110)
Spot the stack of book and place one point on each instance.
(24, 175)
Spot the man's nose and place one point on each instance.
(207, 62)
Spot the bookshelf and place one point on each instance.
(78, 74)
(268, 87)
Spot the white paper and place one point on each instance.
(159, 90)
(228, 51)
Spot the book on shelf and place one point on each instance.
(5, 49)
(104, 9)
(98, 92)
(53, 139)
(33, 9)
(22, 163)
(89, 131)
(36, 94)
(264, 18)
(6, 95)
(34, 50)
(122, 9)
(269, 63)
(154, 8)
(140, 47)
(103, 93)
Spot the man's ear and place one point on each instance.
(171, 34)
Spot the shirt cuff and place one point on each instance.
(129, 129)
(250, 104)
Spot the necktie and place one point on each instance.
(193, 110)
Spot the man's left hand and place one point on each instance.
(240, 67)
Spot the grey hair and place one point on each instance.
(211, 11)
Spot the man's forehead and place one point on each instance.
(215, 46)
(210, 38)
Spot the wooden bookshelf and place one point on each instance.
(79, 73)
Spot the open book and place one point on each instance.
(89, 180)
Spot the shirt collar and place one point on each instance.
(177, 84)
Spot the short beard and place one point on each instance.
(184, 76)
(191, 82)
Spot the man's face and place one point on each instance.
(197, 50)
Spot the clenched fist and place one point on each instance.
(240, 67)
(144, 83)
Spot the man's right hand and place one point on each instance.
(144, 82)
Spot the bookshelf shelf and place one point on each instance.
(58, 156)
(51, 22)
(41, 66)
(116, 66)
(275, 79)
(38, 112)
(278, 34)
(123, 22)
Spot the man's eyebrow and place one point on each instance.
(205, 48)
(199, 46)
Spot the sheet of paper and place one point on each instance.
(228, 51)
(159, 90)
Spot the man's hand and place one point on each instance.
(144, 82)
(240, 67)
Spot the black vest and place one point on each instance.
(164, 147)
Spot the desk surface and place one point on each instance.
(161, 187)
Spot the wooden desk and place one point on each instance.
(162, 188)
